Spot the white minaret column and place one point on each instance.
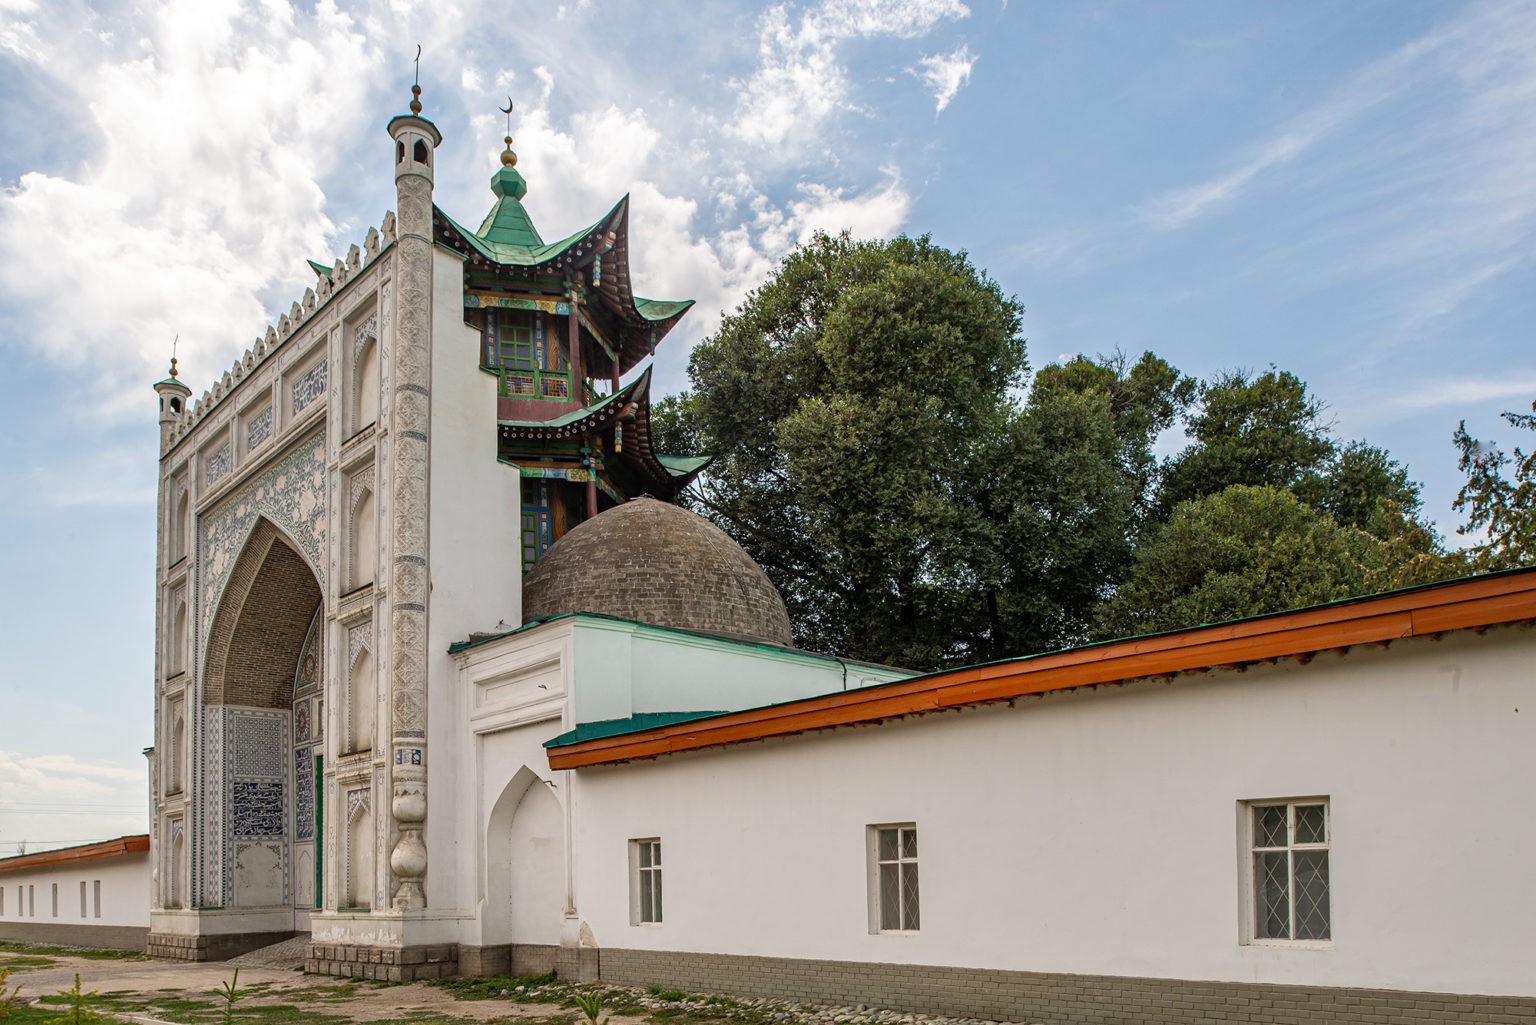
(415, 138)
(173, 402)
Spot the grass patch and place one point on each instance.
(536, 989)
(661, 993)
(27, 962)
(89, 953)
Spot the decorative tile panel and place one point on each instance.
(291, 493)
(255, 786)
(309, 387)
(256, 808)
(303, 794)
(258, 747)
(308, 676)
(258, 428)
(217, 464)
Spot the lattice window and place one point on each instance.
(538, 525)
(895, 878)
(645, 882)
(528, 355)
(1291, 896)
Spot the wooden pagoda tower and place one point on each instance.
(560, 328)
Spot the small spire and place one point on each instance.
(416, 85)
(508, 158)
(173, 354)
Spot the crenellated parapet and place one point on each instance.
(314, 301)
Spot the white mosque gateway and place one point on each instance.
(445, 681)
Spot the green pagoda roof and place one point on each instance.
(320, 268)
(508, 224)
(627, 411)
(508, 238)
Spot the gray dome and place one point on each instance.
(657, 563)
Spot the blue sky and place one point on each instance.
(1341, 190)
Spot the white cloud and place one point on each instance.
(1515, 387)
(874, 213)
(55, 800)
(945, 74)
(800, 81)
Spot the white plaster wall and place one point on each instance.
(622, 669)
(475, 562)
(124, 892)
(1098, 832)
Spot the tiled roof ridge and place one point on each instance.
(314, 300)
(136, 843)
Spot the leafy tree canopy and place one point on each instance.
(1498, 503)
(1242, 551)
(879, 457)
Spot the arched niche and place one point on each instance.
(365, 384)
(176, 650)
(362, 541)
(362, 691)
(176, 754)
(181, 525)
(176, 885)
(357, 888)
(262, 620)
(525, 889)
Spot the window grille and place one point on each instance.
(896, 880)
(1291, 899)
(527, 355)
(645, 882)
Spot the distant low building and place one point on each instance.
(91, 895)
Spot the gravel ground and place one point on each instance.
(276, 972)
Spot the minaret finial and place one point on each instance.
(509, 158)
(416, 85)
(173, 353)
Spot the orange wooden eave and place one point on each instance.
(137, 844)
(1465, 604)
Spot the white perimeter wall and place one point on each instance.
(1098, 832)
(124, 892)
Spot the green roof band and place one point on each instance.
(618, 727)
(320, 269)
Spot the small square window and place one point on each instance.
(645, 882)
(893, 888)
(1288, 874)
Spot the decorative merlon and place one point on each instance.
(300, 313)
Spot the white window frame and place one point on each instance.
(641, 912)
(874, 861)
(1249, 849)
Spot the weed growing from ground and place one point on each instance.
(80, 1007)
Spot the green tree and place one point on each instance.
(1241, 552)
(875, 460)
(1263, 431)
(1499, 504)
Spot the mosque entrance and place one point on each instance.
(262, 690)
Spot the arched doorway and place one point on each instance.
(525, 869)
(263, 639)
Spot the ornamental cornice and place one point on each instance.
(315, 300)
